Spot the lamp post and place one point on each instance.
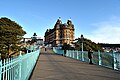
(82, 46)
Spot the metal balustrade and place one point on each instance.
(58, 51)
(110, 60)
(18, 68)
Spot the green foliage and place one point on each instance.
(87, 44)
(10, 35)
(67, 47)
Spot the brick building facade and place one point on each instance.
(60, 34)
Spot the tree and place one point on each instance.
(87, 44)
(67, 47)
(11, 34)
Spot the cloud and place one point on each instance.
(107, 31)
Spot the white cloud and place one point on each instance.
(107, 31)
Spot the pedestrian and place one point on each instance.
(45, 49)
(90, 55)
(64, 53)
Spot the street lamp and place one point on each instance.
(82, 38)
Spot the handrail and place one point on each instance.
(110, 60)
(18, 68)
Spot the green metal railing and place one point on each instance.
(18, 68)
(110, 60)
(58, 50)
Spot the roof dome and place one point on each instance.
(69, 21)
(59, 21)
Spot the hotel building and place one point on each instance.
(60, 34)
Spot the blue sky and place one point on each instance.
(98, 20)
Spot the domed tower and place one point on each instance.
(69, 22)
(71, 30)
(70, 25)
(57, 30)
(58, 23)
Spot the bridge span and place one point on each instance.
(56, 67)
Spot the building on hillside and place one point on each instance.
(60, 34)
(109, 47)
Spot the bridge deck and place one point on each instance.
(56, 67)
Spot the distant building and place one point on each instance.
(60, 34)
(24, 40)
(108, 47)
(39, 41)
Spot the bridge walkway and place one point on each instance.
(56, 67)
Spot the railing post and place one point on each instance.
(4, 69)
(66, 53)
(9, 69)
(82, 56)
(26, 53)
(20, 63)
(99, 58)
(69, 53)
(77, 55)
(63, 53)
(1, 70)
(6, 77)
(113, 61)
(73, 52)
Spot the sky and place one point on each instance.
(97, 20)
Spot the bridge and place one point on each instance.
(50, 66)
(56, 67)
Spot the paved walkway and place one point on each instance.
(56, 67)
